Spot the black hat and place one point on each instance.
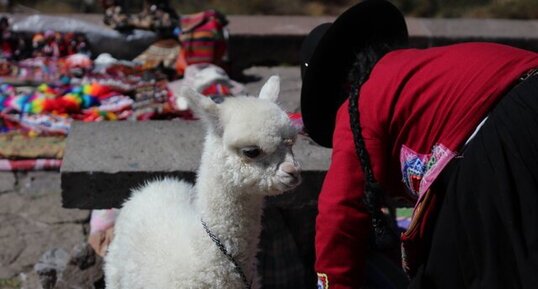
(328, 53)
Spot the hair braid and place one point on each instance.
(384, 233)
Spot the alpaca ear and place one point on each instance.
(271, 89)
(203, 106)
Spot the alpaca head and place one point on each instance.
(249, 140)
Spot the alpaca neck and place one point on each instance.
(232, 214)
(226, 213)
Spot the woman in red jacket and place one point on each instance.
(452, 131)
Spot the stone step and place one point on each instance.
(103, 161)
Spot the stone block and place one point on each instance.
(103, 161)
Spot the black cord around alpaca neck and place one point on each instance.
(385, 235)
(221, 247)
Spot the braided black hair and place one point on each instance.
(385, 235)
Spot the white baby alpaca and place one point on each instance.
(160, 242)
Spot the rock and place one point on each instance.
(48, 278)
(50, 266)
(54, 259)
(29, 281)
(84, 273)
(83, 256)
(56, 269)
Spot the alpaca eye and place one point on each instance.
(251, 152)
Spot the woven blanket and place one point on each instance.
(30, 165)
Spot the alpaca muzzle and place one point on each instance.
(289, 174)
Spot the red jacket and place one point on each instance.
(416, 110)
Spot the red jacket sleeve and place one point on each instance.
(343, 225)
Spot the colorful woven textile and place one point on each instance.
(163, 52)
(52, 99)
(15, 46)
(206, 78)
(31, 70)
(30, 165)
(203, 39)
(297, 120)
(56, 44)
(22, 146)
(38, 124)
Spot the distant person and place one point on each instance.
(452, 131)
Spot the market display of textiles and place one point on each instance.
(50, 79)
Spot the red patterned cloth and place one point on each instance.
(202, 39)
(30, 165)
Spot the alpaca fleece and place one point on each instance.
(159, 240)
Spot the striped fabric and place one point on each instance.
(30, 165)
(202, 39)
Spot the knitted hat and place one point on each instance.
(328, 54)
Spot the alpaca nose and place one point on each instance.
(291, 168)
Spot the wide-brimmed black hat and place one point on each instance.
(328, 54)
